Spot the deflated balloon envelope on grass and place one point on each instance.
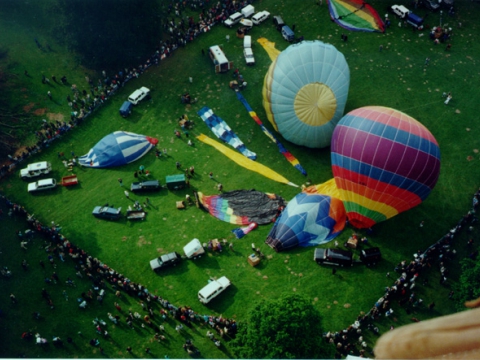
(384, 162)
(305, 92)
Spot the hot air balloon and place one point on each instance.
(243, 207)
(308, 220)
(384, 162)
(355, 15)
(305, 91)
(118, 148)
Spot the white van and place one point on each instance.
(36, 169)
(233, 19)
(193, 249)
(260, 17)
(139, 95)
(219, 59)
(248, 11)
(212, 290)
(247, 41)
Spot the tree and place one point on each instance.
(287, 327)
(109, 34)
(468, 287)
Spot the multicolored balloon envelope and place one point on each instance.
(118, 148)
(384, 162)
(355, 15)
(307, 220)
(305, 91)
(243, 207)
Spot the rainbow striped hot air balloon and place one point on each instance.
(305, 92)
(384, 162)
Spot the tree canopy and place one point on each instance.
(287, 327)
(109, 33)
(468, 287)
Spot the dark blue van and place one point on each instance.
(126, 109)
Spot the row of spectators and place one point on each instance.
(441, 253)
(101, 274)
(83, 103)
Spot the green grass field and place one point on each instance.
(395, 77)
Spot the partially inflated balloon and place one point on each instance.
(305, 92)
(384, 162)
(117, 148)
(308, 220)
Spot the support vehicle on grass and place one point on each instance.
(41, 185)
(149, 185)
(138, 95)
(69, 180)
(193, 249)
(164, 261)
(233, 19)
(219, 59)
(107, 212)
(249, 58)
(260, 17)
(335, 257)
(213, 289)
(136, 214)
(36, 169)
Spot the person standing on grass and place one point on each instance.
(127, 195)
(120, 181)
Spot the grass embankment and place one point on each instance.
(395, 77)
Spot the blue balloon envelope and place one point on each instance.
(308, 220)
(118, 148)
(305, 92)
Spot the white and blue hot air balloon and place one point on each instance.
(118, 148)
(308, 220)
(305, 92)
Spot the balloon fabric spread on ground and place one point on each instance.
(243, 207)
(245, 162)
(384, 162)
(305, 91)
(118, 148)
(221, 130)
(355, 15)
(308, 220)
(288, 155)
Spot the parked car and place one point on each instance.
(40, 185)
(107, 212)
(149, 185)
(260, 17)
(249, 58)
(213, 289)
(233, 19)
(138, 95)
(278, 22)
(126, 109)
(400, 10)
(164, 261)
(193, 249)
(36, 169)
(288, 33)
(371, 256)
(431, 4)
(336, 257)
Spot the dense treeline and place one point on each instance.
(108, 34)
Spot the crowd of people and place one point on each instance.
(82, 103)
(350, 340)
(103, 277)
